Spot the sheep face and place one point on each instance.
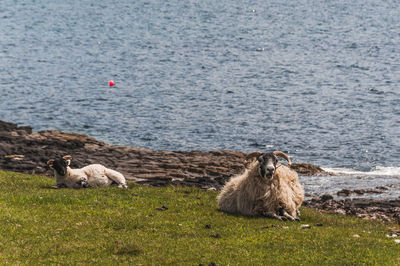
(59, 165)
(267, 165)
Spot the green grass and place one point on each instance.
(39, 225)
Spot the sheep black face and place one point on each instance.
(267, 166)
(60, 165)
(267, 162)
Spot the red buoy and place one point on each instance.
(111, 83)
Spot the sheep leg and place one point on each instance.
(284, 213)
(274, 216)
(287, 215)
(59, 186)
(83, 183)
(117, 177)
(297, 215)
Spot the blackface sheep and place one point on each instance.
(94, 175)
(267, 188)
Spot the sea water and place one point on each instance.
(316, 79)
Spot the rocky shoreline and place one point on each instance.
(23, 150)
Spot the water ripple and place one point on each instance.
(317, 79)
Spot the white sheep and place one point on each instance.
(267, 188)
(94, 175)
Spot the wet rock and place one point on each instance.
(382, 188)
(343, 193)
(359, 191)
(307, 169)
(316, 199)
(10, 127)
(347, 192)
(326, 197)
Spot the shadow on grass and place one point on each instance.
(253, 217)
(130, 249)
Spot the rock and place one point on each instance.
(10, 127)
(384, 210)
(326, 197)
(308, 169)
(339, 211)
(316, 199)
(163, 208)
(382, 188)
(359, 191)
(305, 226)
(347, 192)
(25, 151)
(343, 193)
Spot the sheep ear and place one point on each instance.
(50, 163)
(68, 159)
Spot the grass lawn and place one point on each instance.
(159, 226)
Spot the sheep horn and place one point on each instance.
(50, 163)
(67, 157)
(283, 155)
(252, 155)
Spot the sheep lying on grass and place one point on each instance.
(94, 175)
(267, 188)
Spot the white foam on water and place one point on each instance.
(376, 171)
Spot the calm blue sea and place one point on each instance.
(317, 79)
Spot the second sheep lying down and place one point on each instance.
(93, 175)
(266, 188)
